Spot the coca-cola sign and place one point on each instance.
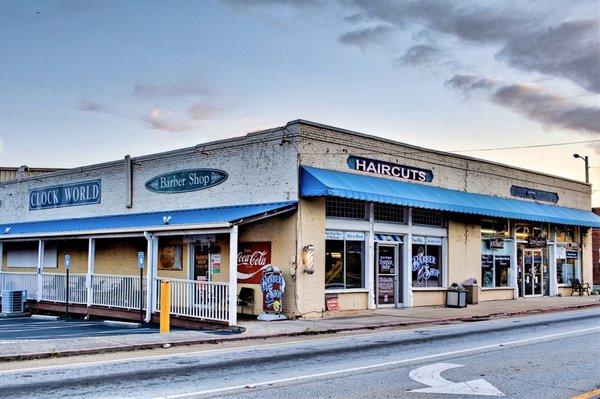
(252, 259)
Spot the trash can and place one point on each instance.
(472, 291)
(456, 298)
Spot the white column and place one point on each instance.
(90, 269)
(40, 269)
(1, 264)
(514, 270)
(151, 239)
(370, 272)
(552, 281)
(407, 265)
(233, 250)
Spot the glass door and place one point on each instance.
(533, 272)
(387, 290)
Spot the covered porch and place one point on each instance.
(118, 263)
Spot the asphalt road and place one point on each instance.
(547, 356)
(27, 328)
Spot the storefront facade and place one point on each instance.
(352, 222)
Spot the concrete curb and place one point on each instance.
(121, 324)
(157, 345)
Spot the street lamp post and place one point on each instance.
(587, 166)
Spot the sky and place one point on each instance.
(83, 82)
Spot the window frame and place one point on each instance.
(345, 239)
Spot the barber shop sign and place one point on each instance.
(272, 286)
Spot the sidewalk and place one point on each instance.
(17, 349)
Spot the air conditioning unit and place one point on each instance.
(13, 301)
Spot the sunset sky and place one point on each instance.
(89, 81)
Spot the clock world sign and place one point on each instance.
(184, 181)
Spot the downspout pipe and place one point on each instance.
(149, 276)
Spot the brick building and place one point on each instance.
(305, 218)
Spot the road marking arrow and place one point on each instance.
(430, 375)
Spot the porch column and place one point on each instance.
(513, 272)
(151, 250)
(233, 250)
(407, 266)
(552, 281)
(40, 269)
(370, 272)
(90, 269)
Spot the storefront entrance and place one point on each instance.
(533, 274)
(388, 268)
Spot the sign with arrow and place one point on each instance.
(430, 375)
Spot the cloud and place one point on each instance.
(534, 102)
(549, 109)
(570, 50)
(91, 106)
(202, 110)
(167, 121)
(170, 90)
(1, 144)
(524, 37)
(284, 3)
(468, 83)
(364, 37)
(160, 119)
(421, 54)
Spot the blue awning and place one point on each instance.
(143, 221)
(322, 182)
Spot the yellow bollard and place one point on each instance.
(165, 307)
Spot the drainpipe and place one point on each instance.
(149, 275)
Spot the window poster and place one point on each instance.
(169, 257)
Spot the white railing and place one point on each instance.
(197, 299)
(54, 288)
(116, 291)
(19, 281)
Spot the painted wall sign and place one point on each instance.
(530, 193)
(82, 193)
(253, 258)
(389, 169)
(272, 285)
(184, 181)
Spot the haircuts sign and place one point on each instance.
(252, 259)
(389, 169)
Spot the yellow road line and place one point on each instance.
(588, 395)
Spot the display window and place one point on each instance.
(427, 262)
(344, 260)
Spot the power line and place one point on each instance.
(526, 146)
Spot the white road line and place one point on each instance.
(243, 348)
(211, 351)
(370, 367)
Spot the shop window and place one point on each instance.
(427, 217)
(427, 262)
(344, 260)
(25, 254)
(565, 234)
(389, 213)
(567, 264)
(494, 228)
(345, 208)
(527, 230)
(495, 263)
